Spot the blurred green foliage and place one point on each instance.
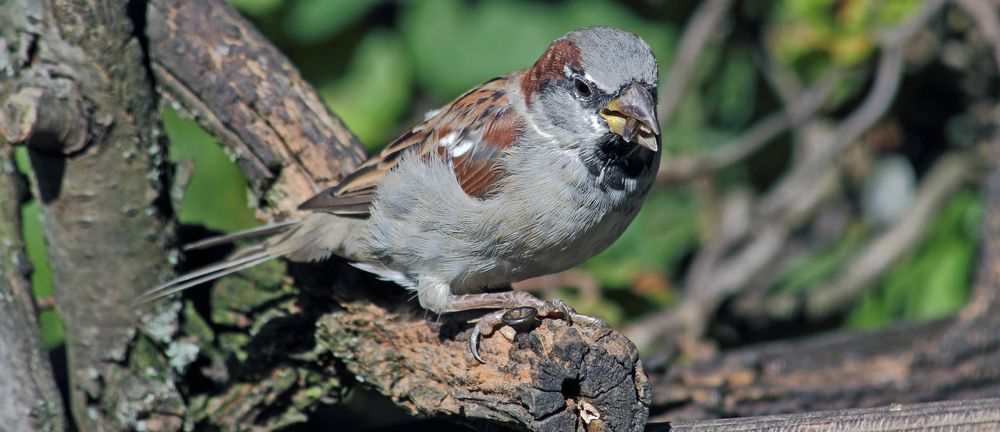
(818, 34)
(457, 45)
(933, 280)
(807, 270)
(375, 91)
(313, 20)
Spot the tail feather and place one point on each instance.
(241, 260)
(264, 231)
(203, 275)
(314, 238)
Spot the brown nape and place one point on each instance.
(550, 65)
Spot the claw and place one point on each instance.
(566, 311)
(520, 317)
(474, 345)
(488, 322)
(571, 316)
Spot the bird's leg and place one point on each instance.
(506, 301)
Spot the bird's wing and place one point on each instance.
(471, 133)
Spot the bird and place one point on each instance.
(528, 174)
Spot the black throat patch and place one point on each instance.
(614, 161)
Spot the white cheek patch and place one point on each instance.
(538, 130)
(595, 123)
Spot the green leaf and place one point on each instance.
(41, 276)
(944, 290)
(814, 35)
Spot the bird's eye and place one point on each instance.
(582, 88)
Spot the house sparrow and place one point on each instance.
(528, 174)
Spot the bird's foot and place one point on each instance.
(524, 317)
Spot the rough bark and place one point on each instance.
(29, 399)
(83, 104)
(964, 416)
(220, 70)
(903, 364)
(555, 378)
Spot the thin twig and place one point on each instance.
(789, 192)
(790, 204)
(682, 170)
(985, 15)
(948, 174)
(696, 34)
(785, 82)
(878, 256)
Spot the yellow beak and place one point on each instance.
(632, 116)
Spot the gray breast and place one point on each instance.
(550, 214)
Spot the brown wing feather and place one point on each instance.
(483, 122)
(478, 170)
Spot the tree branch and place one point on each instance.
(29, 400)
(218, 68)
(703, 23)
(90, 131)
(971, 415)
(556, 378)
